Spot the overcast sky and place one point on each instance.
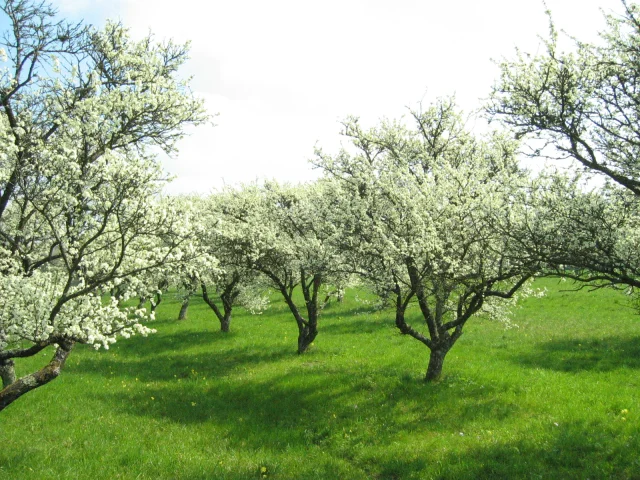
(281, 74)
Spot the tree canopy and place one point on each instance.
(80, 112)
(416, 214)
(583, 104)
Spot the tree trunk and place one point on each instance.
(306, 336)
(34, 380)
(7, 372)
(436, 360)
(225, 322)
(227, 303)
(141, 302)
(224, 318)
(154, 304)
(308, 330)
(183, 310)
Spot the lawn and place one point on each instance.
(557, 397)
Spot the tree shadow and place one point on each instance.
(579, 450)
(308, 406)
(334, 326)
(166, 342)
(586, 354)
(169, 364)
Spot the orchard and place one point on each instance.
(438, 224)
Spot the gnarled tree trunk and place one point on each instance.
(32, 381)
(228, 296)
(439, 341)
(308, 330)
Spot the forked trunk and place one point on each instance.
(308, 330)
(7, 372)
(228, 296)
(227, 305)
(306, 336)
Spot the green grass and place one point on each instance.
(544, 400)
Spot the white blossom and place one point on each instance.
(81, 219)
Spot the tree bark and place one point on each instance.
(183, 309)
(225, 322)
(308, 330)
(436, 361)
(227, 297)
(34, 380)
(306, 336)
(154, 304)
(7, 372)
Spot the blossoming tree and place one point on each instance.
(590, 235)
(79, 110)
(416, 219)
(285, 233)
(234, 283)
(581, 105)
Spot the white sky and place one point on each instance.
(281, 74)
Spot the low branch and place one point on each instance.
(34, 380)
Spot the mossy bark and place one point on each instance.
(25, 384)
(7, 372)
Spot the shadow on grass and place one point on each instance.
(575, 355)
(333, 324)
(313, 411)
(578, 450)
(174, 341)
(168, 365)
(310, 406)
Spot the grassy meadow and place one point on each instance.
(557, 397)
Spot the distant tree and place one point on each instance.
(219, 271)
(416, 213)
(79, 109)
(285, 233)
(188, 289)
(234, 283)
